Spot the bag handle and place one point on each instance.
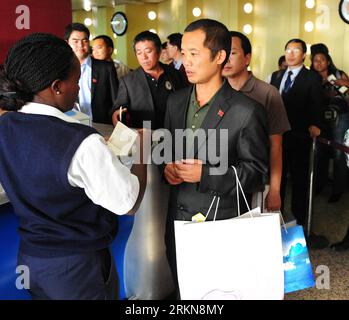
(209, 209)
(238, 186)
(282, 221)
(242, 191)
(248, 207)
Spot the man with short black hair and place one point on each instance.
(302, 94)
(98, 82)
(267, 95)
(143, 93)
(103, 49)
(174, 47)
(211, 104)
(164, 58)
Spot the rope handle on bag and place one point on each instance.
(242, 191)
(274, 211)
(282, 221)
(209, 209)
(238, 186)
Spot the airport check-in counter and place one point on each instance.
(138, 250)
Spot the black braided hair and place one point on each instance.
(31, 66)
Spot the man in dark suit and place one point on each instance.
(302, 95)
(211, 105)
(98, 82)
(174, 47)
(143, 93)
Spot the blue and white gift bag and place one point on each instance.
(298, 271)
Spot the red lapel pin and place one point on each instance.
(220, 113)
(94, 80)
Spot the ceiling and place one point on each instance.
(79, 4)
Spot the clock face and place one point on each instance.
(344, 10)
(119, 23)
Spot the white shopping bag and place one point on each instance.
(238, 258)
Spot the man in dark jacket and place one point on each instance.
(303, 99)
(229, 120)
(98, 81)
(174, 48)
(144, 92)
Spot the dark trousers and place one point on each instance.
(86, 276)
(296, 153)
(340, 169)
(171, 255)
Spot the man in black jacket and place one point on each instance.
(98, 82)
(144, 92)
(229, 119)
(303, 99)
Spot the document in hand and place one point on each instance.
(122, 140)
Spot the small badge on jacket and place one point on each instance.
(220, 113)
(168, 85)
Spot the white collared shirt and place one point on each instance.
(294, 75)
(177, 64)
(85, 85)
(106, 181)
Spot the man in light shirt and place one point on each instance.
(98, 82)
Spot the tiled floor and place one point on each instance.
(332, 221)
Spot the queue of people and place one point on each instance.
(67, 211)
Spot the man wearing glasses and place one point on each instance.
(303, 99)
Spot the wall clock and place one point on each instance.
(119, 23)
(344, 10)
